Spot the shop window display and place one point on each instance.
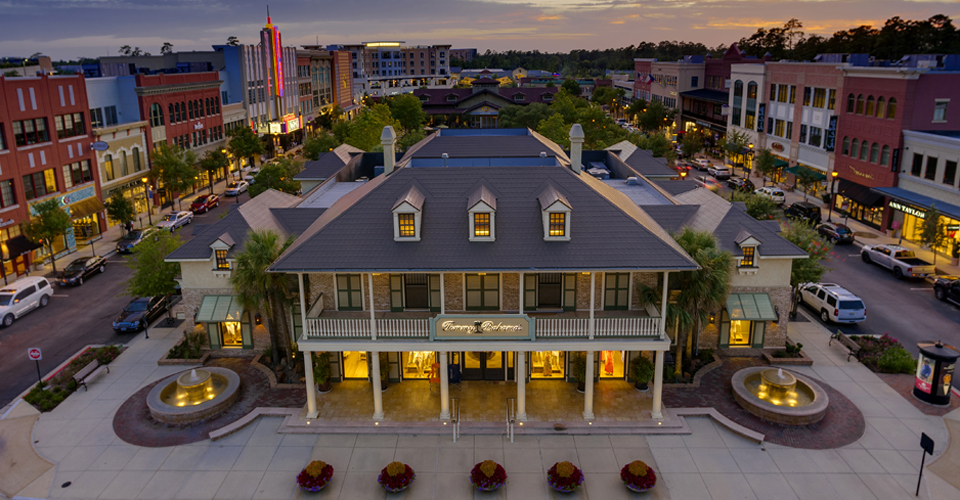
(355, 364)
(547, 364)
(740, 333)
(230, 335)
(611, 364)
(417, 364)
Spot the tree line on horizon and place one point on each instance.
(896, 38)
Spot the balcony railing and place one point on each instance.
(549, 328)
(335, 328)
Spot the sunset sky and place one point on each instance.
(66, 29)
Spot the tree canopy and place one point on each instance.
(277, 175)
(529, 116)
(318, 144)
(152, 275)
(244, 143)
(408, 110)
(364, 132)
(599, 129)
(212, 162)
(120, 208)
(49, 223)
(174, 166)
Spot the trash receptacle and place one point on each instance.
(935, 372)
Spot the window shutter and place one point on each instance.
(435, 299)
(758, 328)
(213, 332)
(724, 330)
(396, 292)
(245, 333)
(570, 292)
(530, 292)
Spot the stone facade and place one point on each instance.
(453, 292)
(510, 291)
(189, 305)
(638, 281)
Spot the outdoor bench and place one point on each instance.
(853, 348)
(91, 370)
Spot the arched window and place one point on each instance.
(206, 106)
(752, 90)
(860, 104)
(892, 108)
(881, 107)
(176, 108)
(108, 165)
(216, 100)
(738, 88)
(869, 111)
(136, 159)
(183, 106)
(156, 115)
(846, 146)
(885, 156)
(191, 106)
(850, 103)
(203, 110)
(170, 107)
(864, 150)
(874, 153)
(855, 149)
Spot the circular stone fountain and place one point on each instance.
(193, 395)
(780, 396)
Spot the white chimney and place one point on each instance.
(389, 141)
(576, 147)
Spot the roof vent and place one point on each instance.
(632, 181)
(444, 156)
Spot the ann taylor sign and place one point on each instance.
(481, 327)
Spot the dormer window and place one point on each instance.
(452, 98)
(519, 97)
(221, 246)
(482, 209)
(424, 98)
(748, 248)
(748, 255)
(407, 214)
(547, 97)
(222, 262)
(556, 215)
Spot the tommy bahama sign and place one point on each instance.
(481, 327)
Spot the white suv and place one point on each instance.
(23, 296)
(775, 194)
(834, 302)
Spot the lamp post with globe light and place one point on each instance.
(147, 198)
(833, 194)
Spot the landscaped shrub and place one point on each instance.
(873, 348)
(62, 385)
(896, 360)
(191, 346)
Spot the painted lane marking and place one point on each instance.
(59, 295)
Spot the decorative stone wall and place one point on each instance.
(322, 283)
(776, 333)
(190, 302)
(510, 286)
(453, 292)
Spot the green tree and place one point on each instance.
(244, 143)
(152, 275)
(233, 41)
(701, 291)
(167, 48)
(258, 290)
(49, 223)
(571, 86)
(409, 138)
(733, 144)
(934, 233)
(408, 110)
(529, 116)
(277, 175)
(212, 162)
(806, 179)
(599, 129)
(120, 209)
(810, 269)
(319, 144)
(758, 207)
(330, 117)
(606, 96)
(692, 144)
(658, 144)
(175, 167)
(364, 132)
(636, 107)
(655, 117)
(764, 163)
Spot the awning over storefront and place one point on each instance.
(860, 194)
(750, 307)
(796, 168)
(219, 308)
(19, 245)
(921, 201)
(86, 207)
(778, 163)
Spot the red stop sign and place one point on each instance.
(34, 353)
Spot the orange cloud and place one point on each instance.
(551, 18)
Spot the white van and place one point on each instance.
(23, 296)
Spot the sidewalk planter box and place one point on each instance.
(801, 360)
(165, 361)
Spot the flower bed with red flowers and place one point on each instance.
(315, 476)
(396, 477)
(638, 476)
(488, 476)
(564, 477)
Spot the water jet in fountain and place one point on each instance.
(193, 395)
(779, 396)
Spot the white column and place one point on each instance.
(588, 389)
(521, 386)
(373, 317)
(593, 304)
(444, 388)
(307, 357)
(663, 306)
(377, 390)
(523, 291)
(657, 410)
(443, 296)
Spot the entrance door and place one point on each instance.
(550, 292)
(417, 292)
(482, 365)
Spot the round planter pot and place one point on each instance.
(581, 387)
(642, 387)
(384, 385)
(636, 489)
(325, 387)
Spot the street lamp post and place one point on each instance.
(833, 194)
(146, 198)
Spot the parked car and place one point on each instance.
(947, 288)
(235, 188)
(139, 313)
(204, 203)
(775, 194)
(133, 238)
(741, 184)
(720, 172)
(22, 296)
(702, 163)
(902, 261)
(836, 232)
(707, 183)
(81, 268)
(803, 210)
(833, 302)
(175, 220)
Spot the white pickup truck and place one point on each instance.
(902, 261)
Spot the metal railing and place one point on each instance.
(455, 417)
(511, 416)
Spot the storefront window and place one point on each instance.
(230, 336)
(547, 364)
(611, 364)
(355, 364)
(418, 364)
(740, 333)
(86, 228)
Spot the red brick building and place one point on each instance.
(182, 109)
(343, 80)
(45, 154)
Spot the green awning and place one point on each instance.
(796, 168)
(778, 163)
(219, 308)
(750, 307)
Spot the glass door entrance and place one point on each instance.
(483, 366)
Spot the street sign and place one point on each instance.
(34, 353)
(99, 146)
(927, 444)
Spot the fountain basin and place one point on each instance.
(788, 399)
(193, 395)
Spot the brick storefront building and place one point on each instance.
(45, 154)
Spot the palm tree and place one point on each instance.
(259, 290)
(701, 291)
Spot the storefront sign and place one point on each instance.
(776, 146)
(916, 212)
(69, 198)
(198, 126)
(5, 223)
(895, 160)
(291, 124)
(761, 112)
(830, 139)
(481, 327)
(865, 175)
